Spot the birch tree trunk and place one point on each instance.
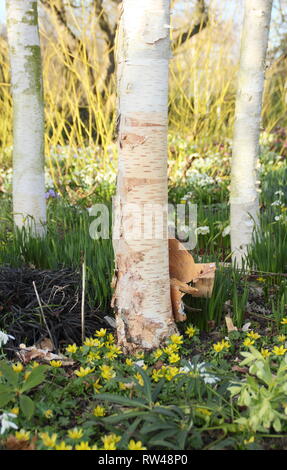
(244, 200)
(29, 205)
(142, 286)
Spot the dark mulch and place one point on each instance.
(60, 296)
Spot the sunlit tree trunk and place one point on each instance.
(142, 291)
(29, 205)
(244, 201)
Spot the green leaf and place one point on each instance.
(112, 398)
(114, 419)
(10, 375)
(27, 406)
(147, 384)
(36, 377)
(5, 398)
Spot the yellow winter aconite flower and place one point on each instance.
(49, 414)
(93, 356)
(63, 446)
(265, 353)
(174, 357)
(84, 445)
(75, 433)
(171, 372)
(35, 364)
(56, 363)
(284, 321)
(221, 345)
(90, 342)
(101, 333)
(99, 411)
(260, 279)
(139, 379)
(97, 386)
(279, 351)
(281, 338)
(15, 410)
(171, 348)
(158, 353)
(107, 372)
(110, 441)
(72, 348)
(248, 342)
(136, 445)
(82, 372)
(111, 355)
(253, 335)
(114, 348)
(48, 441)
(129, 362)
(249, 441)
(110, 338)
(157, 375)
(176, 339)
(18, 367)
(22, 435)
(190, 331)
(139, 355)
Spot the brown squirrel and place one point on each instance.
(182, 270)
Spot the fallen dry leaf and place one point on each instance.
(229, 324)
(27, 354)
(12, 443)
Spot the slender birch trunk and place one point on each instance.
(244, 200)
(29, 205)
(142, 288)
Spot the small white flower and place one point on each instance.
(139, 363)
(279, 193)
(4, 338)
(276, 203)
(226, 231)
(6, 423)
(202, 230)
(277, 217)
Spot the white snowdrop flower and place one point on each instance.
(4, 338)
(202, 230)
(6, 423)
(279, 193)
(226, 231)
(276, 203)
(201, 370)
(277, 217)
(139, 363)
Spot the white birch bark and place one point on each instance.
(244, 200)
(29, 205)
(142, 291)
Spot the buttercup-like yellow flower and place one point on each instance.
(139, 379)
(157, 353)
(110, 441)
(111, 355)
(249, 441)
(157, 375)
(56, 363)
(75, 433)
(203, 411)
(91, 342)
(114, 348)
(174, 357)
(171, 372)
(279, 351)
(136, 445)
(82, 372)
(15, 410)
(97, 386)
(72, 348)
(34, 364)
(176, 339)
(93, 356)
(63, 446)
(284, 321)
(139, 355)
(48, 441)
(219, 346)
(171, 348)
(248, 342)
(18, 367)
(129, 362)
(99, 411)
(253, 335)
(49, 414)
(265, 353)
(190, 331)
(110, 338)
(22, 435)
(84, 445)
(281, 338)
(107, 372)
(101, 333)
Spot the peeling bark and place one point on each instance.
(142, 286)
(244, 200)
